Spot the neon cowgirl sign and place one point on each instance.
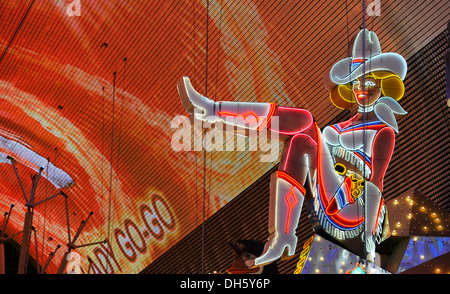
(341, 168)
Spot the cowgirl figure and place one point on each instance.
(341, 168)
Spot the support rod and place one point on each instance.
(36, 247)
(6, 220)
(46, 199)
(13, 163)
(67, 219)
(28, 223)
(91, 244)
(71, 245)
(49, 259)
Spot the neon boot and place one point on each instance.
(286, 201)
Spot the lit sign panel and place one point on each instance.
(343, 165)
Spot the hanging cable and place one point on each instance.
(112, 155)
(196, 157)
(44, 225)
(102, 135)
(16, 31)
(364, 129)
(204, 151)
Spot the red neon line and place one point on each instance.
(363, 159)
(290, 146)
(373, 127)
(268, 118)
(384, 167)
(244, 116)
(358, 60)
(336, 129)
(283, 175)
(348, 185)
(261, 121)
(378, 216)
(290, 208)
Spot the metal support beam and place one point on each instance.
(27, 225)
(67, 218)
(71, 245)
(23, 257)
(28, 222)
(48, 198)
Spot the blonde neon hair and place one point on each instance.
(391, 86)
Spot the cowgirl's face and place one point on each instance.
(367, 90)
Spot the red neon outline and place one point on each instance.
(348, 185)
(300, 130)
(261, 121)
(283, 175)
(268, 118)
(358, 60)
(336, 129)
(336, 217)
(363, 159)
(372, 127)
(332, 207)
(384, 166)
(346, 129)
(290, 207)
(244, 116)
(374, 230)
(290, 146)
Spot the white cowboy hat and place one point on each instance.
(366, 57)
